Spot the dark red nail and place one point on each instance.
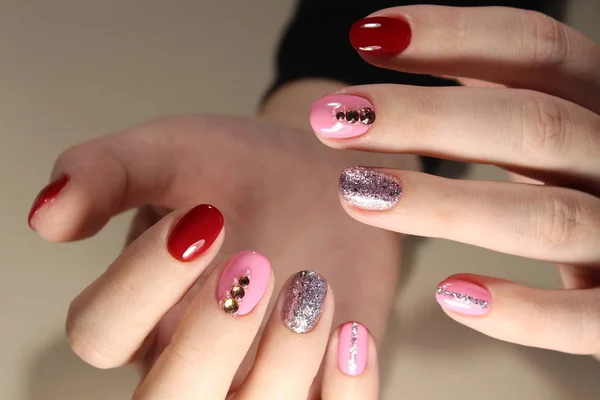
(47, 195)
(195, 232)
(380, 35)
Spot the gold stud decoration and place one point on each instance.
(244, 280)
(230, 306)
(237, 292)
(365, 116)
(231, 303)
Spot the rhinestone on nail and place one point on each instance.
(230, 306)
(352, 116)
(365, 116)
(244, 281)
(237, 292)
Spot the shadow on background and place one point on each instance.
(57, 374)
(433, 337)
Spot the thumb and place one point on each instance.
(95, 180)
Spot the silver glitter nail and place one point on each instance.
(462, 297)
(353, 349)
(304, 301)
(369, 188)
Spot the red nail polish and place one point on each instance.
(195, 232)
(48, 194)
(380, 35)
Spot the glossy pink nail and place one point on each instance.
(342, 116)
(243, 283)
(463, 297)
(353, 348)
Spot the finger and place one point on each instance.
(542, 222)
(519, 48)
(562, 320)
(351, 371)
(512, 128)
(98, 179)
(294, 341)
(214, 334)
(108, 322)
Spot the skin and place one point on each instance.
(291, 214)
(539, 118)
(134, 168)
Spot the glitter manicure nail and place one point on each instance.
(369, 188)
(353, 348)
(463, 297)
(342, 116)
(304, 301)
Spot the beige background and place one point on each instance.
(71, 70)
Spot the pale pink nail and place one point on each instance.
(463, 297)
(342, 116)
(243, 283)
(353, 348)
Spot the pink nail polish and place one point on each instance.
(243, 283)
(342, 116)
(353, 348)
(463, 297)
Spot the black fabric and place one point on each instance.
(315, 43)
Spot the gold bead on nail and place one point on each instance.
(237, 292)
(244, 280)
(230, 306)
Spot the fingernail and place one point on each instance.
(463, 297)
(342, 116)
(353, 348)
(243, 283)
(304, 301)
(369, 189)
(47, 195)
(381, 35)
(195, 232)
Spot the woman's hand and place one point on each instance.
(275, 184)
(535, 112)
(217, 321)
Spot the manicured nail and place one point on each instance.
(353, 348)
(195, 232)
(381, 35)
(369, 188)
(47, 195)
(243, 283)
(304, 301)
(342, 116)
(463, 297)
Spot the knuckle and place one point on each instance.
(431, 105)
(546, 40)
(544, 126)
(86, 345)
(559, 221)
(73, 155)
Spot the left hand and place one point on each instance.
(535, 111)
